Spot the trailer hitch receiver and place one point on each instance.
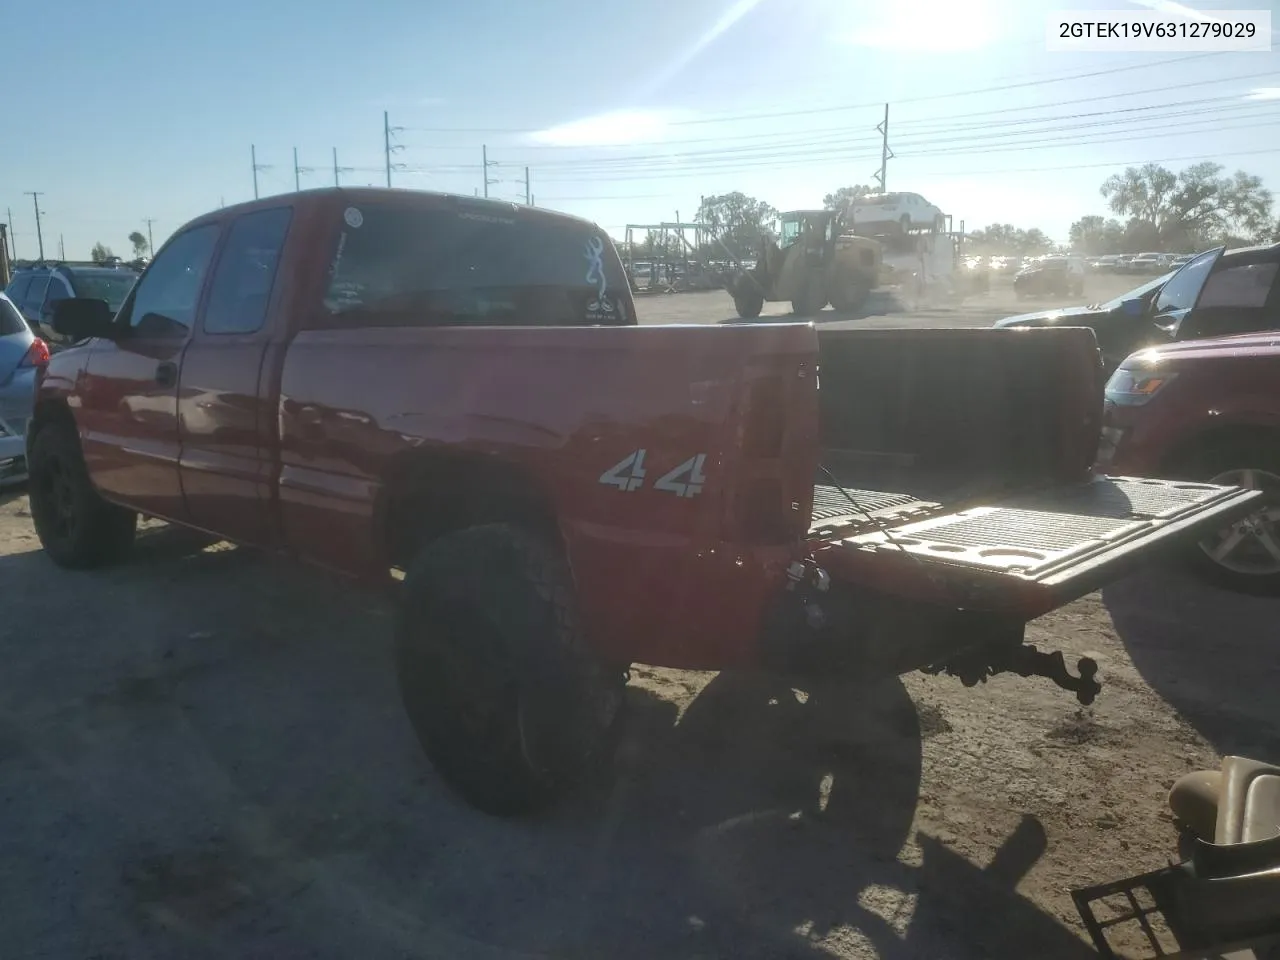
(1026, 660)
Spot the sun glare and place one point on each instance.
(608, 129)
(934, 25)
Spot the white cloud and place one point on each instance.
(928, 25)
(609, 129)
(1263, 93)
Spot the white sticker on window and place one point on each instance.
(353, 217)
(600, 308)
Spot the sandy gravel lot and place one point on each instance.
(202, 754)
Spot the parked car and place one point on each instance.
(22, 356)
(35, 289)
(456, 388)
(1049, 276)
(1206, 410)
(901, 211)
(1217, 293)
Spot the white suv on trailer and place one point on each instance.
(903, 212)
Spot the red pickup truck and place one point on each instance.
(378, 381)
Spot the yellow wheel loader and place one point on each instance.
(818, 261)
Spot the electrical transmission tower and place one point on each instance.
(488, 181)
(885, 153)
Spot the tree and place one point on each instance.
(140, 245)
(738, 221)
(1192, 208)
(843, 198)
(1006, 238)
(1096, 235)
(100, 253)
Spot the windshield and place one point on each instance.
(111, 287)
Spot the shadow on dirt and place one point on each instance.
(1211, 653)
(208, 757)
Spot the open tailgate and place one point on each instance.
(1025, 554)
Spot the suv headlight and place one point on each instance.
(1134, 386)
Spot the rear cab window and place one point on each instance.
(399, 264)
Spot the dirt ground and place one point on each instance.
(202, 754)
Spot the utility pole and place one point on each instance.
(488, 181)
(299, 171)
(337, 169)
(528, 197)
(13, 241)
(253, 153)
(151, 247)
(388, 146)
(62, 248)
(885, 153)
(35, 196)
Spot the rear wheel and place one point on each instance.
(1245, 556)
(507, 702)
(77, 528)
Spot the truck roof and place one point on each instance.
(357, 195)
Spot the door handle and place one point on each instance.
(167, 374)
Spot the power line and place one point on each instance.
(758, 115)
(1057, 136)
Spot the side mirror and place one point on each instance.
(1133, 308)
(80, 318)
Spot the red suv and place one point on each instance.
(1206, 410)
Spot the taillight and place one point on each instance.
(37, 355)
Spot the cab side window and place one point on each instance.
(163, 304)
(1247, 285)
(246, 272)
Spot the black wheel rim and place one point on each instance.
(56, 501)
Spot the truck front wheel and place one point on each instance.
(77, 528)
(508, 703)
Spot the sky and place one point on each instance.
(625, 113)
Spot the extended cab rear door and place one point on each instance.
(226, 408)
